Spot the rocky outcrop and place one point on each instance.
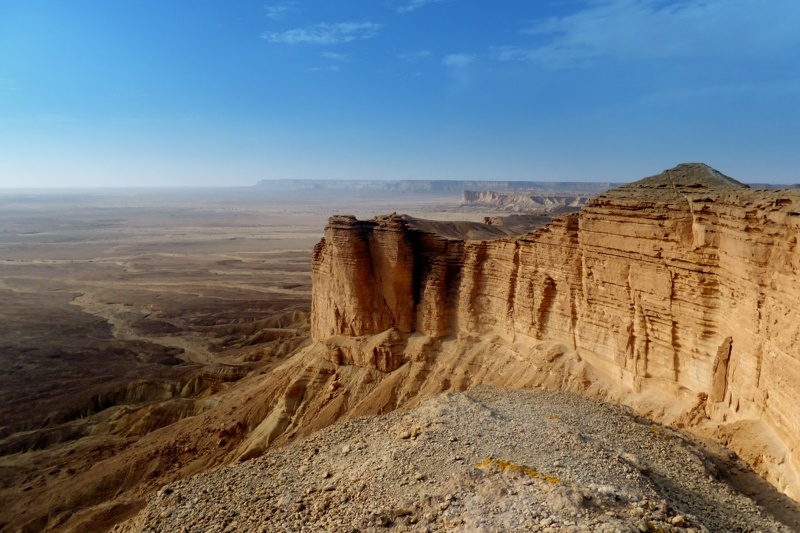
(682, 288)
(363, 272)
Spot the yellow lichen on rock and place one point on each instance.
(506, 465)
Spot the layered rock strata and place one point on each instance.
(682, 287)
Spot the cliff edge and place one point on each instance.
(677, 294)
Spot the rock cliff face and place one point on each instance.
(683, 289)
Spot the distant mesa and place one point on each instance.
(531, 202)
(471, 189)
(429, 186)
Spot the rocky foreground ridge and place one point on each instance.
(677, 295)
(487, 460)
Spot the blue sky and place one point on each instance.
(208, 92)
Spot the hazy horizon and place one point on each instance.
(188, 187)
(148, 94)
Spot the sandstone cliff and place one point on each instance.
(680, 292)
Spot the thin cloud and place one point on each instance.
(330, 68)
(325, 33)
(543, 56)
(458, 60)
(413, 5)
(413, 57)
(769, 89)
(40, 118)
(8, 87)
(632, 30)
(459, 72)
(335, 56)
(279, 11)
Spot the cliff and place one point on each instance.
(680, 291)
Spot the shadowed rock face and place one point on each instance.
(683, 285)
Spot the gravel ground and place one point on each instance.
(490, 460)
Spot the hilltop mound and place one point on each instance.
(687, 176)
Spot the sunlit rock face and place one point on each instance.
(685, 283)
(690, 277)
(363, 273)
